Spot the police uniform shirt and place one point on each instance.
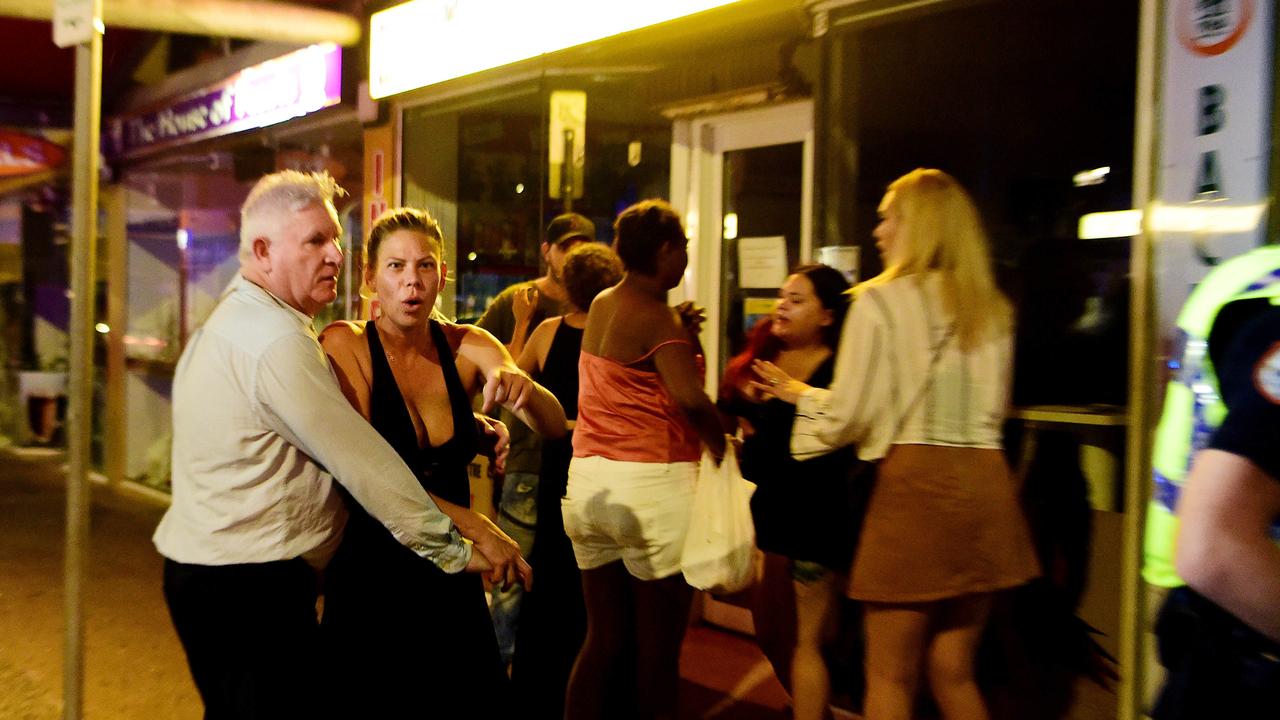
(1250, 380)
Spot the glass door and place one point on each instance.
(744, 182)
(761, 201)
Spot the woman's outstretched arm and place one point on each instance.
(506, 384)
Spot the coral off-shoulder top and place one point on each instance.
(625, 413)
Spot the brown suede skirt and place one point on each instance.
(942, 522)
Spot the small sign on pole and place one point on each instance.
(73, 22)
(567, 143)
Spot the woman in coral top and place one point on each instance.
(642, 420)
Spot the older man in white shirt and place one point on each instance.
(260, 433)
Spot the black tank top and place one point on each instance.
(441, 469)
(560, 371)
(401, 634)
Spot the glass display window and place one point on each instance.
(1038, 127)
(482, 168)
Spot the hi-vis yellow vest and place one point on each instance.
(1193, 409)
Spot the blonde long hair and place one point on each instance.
(940, 230)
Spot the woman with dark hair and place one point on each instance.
(553, 619)
(802, 510)
(642, 421)
(408, 639)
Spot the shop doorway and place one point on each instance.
(744, 181)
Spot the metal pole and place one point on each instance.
(567, 170)
(84, 240)
(115, 422)
(1143, 391)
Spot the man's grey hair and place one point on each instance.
(285, 190)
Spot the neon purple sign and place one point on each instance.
(286, 87)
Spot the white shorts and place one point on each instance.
(630, 511)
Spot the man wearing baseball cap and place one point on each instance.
(511, 317)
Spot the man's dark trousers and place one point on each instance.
(251, 637)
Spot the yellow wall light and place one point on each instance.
(1196, 218)
(1096, 176)
(731, 226)
(1207, 218)
(423, 42)
(1117, 224)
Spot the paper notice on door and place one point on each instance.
(762, 262)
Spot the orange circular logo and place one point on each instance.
(1212, 27)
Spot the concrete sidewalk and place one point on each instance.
(135, 668)
(134, 665)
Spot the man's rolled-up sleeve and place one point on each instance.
(300, 399)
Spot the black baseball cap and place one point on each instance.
(569, 226)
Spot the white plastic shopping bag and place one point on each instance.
(719, 552)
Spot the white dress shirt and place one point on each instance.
(882, 366)
(260, 431)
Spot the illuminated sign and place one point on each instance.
(265, 94)
(26, 154)
(1215, 120)
(423, 42)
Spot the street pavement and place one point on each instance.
(135, 668)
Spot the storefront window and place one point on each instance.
(482, 171)
(183, 227)
(1015, 100)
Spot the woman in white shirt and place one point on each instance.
(922, 383)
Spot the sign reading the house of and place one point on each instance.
(286, 87)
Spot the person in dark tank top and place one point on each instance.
(553, 620)
(804, 512)
(403, 637)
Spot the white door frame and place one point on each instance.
(698, 146)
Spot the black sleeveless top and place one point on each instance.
(560, 377)
(560, 371)
(403, 637)
(553, 617)
(441, 469)
(804, 510)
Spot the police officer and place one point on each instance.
(1193, 406)
(1220, 634)
(1193, 409)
